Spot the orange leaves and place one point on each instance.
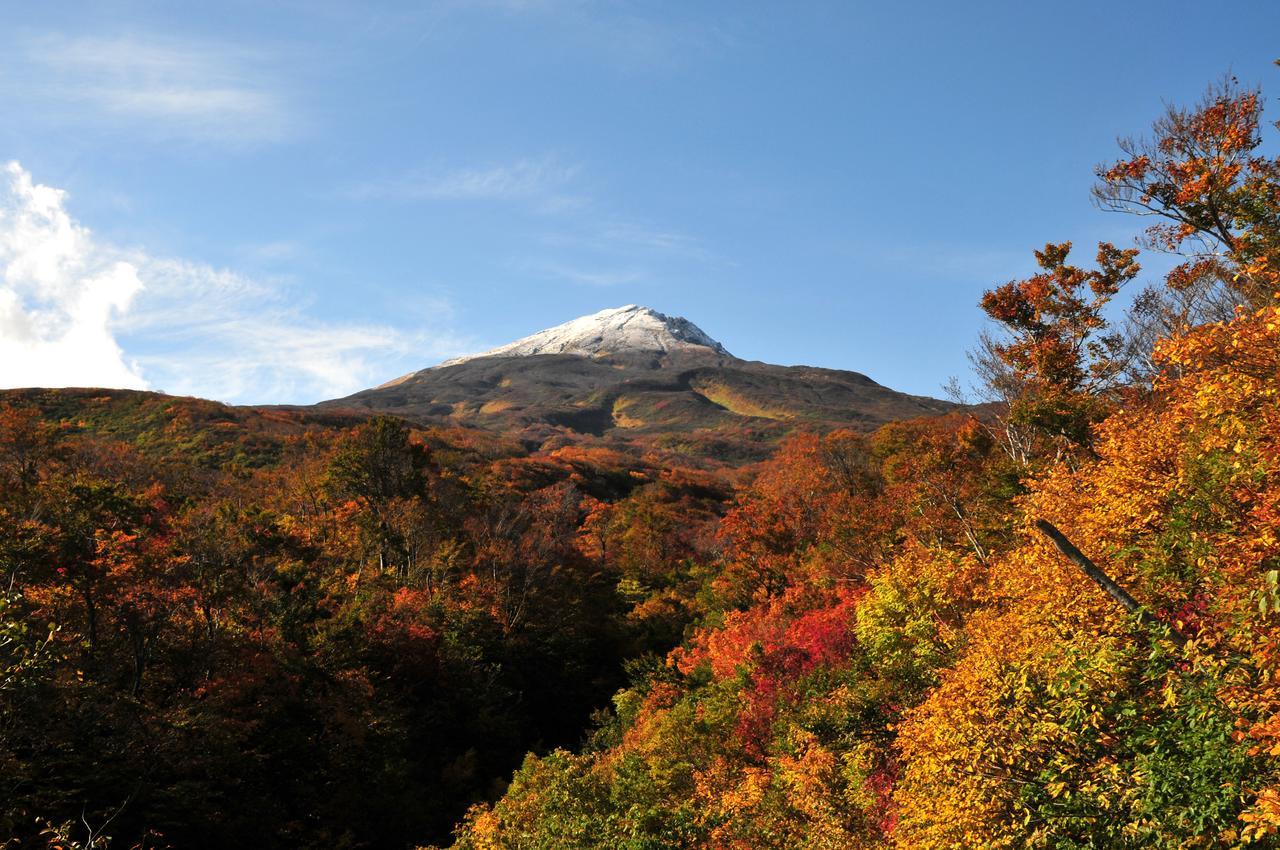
(1185, 275)
(1262, 819)
(1199, 173)
(1134, 168)
(890, 656)
(963, 686)
(1227, 124)
(1054, 366)
(1049, 317)
(1241, 355)
(793, 522)
(1177, 505)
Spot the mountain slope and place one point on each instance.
(632, 374)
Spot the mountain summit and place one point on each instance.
(612, 331)
(636, 376)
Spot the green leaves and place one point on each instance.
(1269, 596)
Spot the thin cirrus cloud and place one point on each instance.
(545, 184)
(579, 243)
(172, 89)
(75, 311)
(594, 276)
(603, 251)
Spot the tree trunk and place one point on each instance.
(1115, 591)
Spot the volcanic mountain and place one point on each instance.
(632, 374)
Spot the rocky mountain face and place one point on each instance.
(634, 375)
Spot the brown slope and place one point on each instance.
(685, 397)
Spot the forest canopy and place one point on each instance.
(287, 628)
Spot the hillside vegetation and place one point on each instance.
(321, 628)
(896, 656)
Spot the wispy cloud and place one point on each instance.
(545, 183)
(647, 237)
(589, 276)
(600, 250)
(188, 90)
(216, 333)
(632, 239)
(75, 311)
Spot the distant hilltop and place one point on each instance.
(633, 374)
(612, 331)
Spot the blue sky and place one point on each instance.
(286, 202)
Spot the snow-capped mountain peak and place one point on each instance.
(619, 329)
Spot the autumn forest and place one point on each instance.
(1048, 617)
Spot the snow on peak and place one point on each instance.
(629, 328)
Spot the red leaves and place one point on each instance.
(773, 645)
(406, 633)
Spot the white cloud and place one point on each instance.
(219, 334)
(59, 296)
(187, 90)
(71, 307)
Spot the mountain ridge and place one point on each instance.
(615, 329)
(634, 375)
